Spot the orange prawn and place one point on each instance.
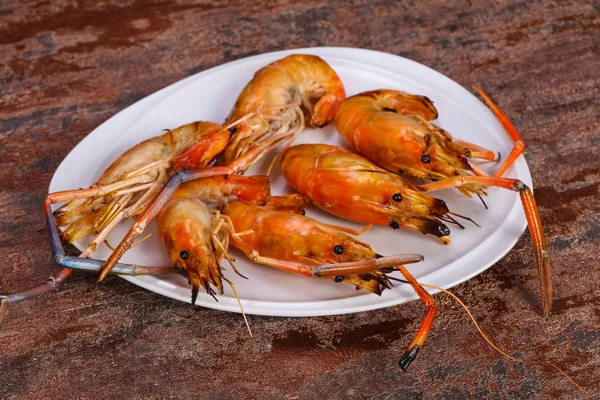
(351, 187)
(279, 235)
(281, 99)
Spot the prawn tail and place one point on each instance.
(76, 216)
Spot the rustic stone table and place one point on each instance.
(66, 68)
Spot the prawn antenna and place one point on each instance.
(237, 297)
(482, 201)
(543, 363)
(466, 218)
(449, 219)
(140, 241)
(216, 240)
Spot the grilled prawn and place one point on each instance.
(281, 99)
(349, 186)
(279, 235)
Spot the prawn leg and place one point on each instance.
(44, 288)
(519, 142)
(421, 335)
(364, 266)
(70, 263)
(311, 271)
(4, 302)
(67, 195)
(475, 150)
(57, 253)
(533, 221)
(57, 249)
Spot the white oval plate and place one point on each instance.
(210, 95)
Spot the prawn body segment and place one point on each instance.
(353, 188)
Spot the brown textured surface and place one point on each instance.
(65, 68)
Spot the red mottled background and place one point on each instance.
(67, 66)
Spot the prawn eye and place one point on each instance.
(425, 159)
(397, 197)
(338, 249)
(232, 130)
(184, 255)
(339, 278)
(394, 224)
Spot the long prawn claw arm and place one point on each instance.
(341, 269)
(70, 263)
(421, 335)
(519, 142)
(359, 267)
(395, 261)
(58, 254)
(170, 188)
(533, 221)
